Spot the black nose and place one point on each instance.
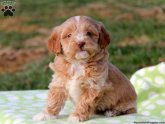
(81, 44)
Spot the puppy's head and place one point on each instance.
(79, 38)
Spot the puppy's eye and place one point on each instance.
(89, 33)
(69, 35)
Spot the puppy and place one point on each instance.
(83, 73)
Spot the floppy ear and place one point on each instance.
(54, 44)
(104, 37)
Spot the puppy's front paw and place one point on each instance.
(74, 118)
(43, 117)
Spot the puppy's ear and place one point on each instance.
(54, 44)
(104, 37)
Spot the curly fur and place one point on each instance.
(84, 74)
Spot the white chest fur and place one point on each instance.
(76, 70)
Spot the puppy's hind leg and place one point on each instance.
(131, 111)
(112, 113)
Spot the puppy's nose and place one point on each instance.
(81, 44)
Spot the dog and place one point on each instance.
(83, 73)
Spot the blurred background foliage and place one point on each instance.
(137, 30)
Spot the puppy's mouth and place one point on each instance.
(81, 55)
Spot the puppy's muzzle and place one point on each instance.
(81, 44)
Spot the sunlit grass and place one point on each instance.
(49, 13)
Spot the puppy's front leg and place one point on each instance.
(56, 99)
(85, 107)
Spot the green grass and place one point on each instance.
(15, 38)
(131, 58)
(144, 4)
(34, 76)
(49, 13)
(121, 29)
